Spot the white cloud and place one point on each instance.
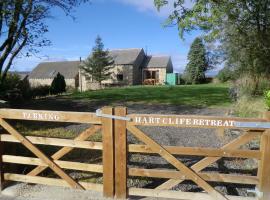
(179, 62)
(148, 6)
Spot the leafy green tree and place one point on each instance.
(58, 85)
(227, 74)
(198, 63)
(99, 64)
(23, 25)
(242, 28)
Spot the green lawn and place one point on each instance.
(205, 95)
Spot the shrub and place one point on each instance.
(58, 85)
(12, 89)
(40, 91)
(25, 88)
(181, 80)
(12, 80)
(248, 85)
(267, 98)
(226, 74)
(250, 107)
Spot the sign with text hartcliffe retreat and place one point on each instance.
(182, 121)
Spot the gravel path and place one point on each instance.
(164, 135)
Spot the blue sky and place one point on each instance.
(120, 23)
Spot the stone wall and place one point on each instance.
(87, 83)
(41, 82)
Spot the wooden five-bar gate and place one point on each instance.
(114, 123)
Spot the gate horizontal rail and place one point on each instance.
(42, 161)
(50, 116)
(115, 148)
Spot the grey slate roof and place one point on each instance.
(47, 70)
(157, 61)
(125, 56)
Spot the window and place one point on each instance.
(120, 77)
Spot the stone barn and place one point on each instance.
(45, 72)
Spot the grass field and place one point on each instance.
(206, 95)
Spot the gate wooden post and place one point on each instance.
(120, 131)
(108, 153)
(2, 180)
(264, 167)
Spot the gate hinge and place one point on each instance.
(100, 114)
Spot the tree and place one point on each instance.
(99, 64)
(242, 28)
(23, 25)
(58, 85)
(226, 74)
(198, 63)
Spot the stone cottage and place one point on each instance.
(131, 67)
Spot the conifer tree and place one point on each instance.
(58, 85)
(99, 64)
(197, 63)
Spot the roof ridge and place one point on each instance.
(60, 61)
(160, 55)
(125, 49)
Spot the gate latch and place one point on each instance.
(100, 114)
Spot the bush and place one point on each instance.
(267, 98)
(15, 90)
(180, 80)
(58, 85)
(25, 88)
(40, 91)
(249, 85)
(11, 82)
(250, 107)
(226, 74)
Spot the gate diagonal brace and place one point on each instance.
(100, 114)
(36, 151)
(209, 160)
(176, 163)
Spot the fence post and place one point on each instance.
(264, 167)
(120, 132)
(108, 153)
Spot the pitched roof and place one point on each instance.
(157, 61)
(125, 56)
(47, 70)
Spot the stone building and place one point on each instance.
(131, 67)
(155, 69)
(45, 72)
